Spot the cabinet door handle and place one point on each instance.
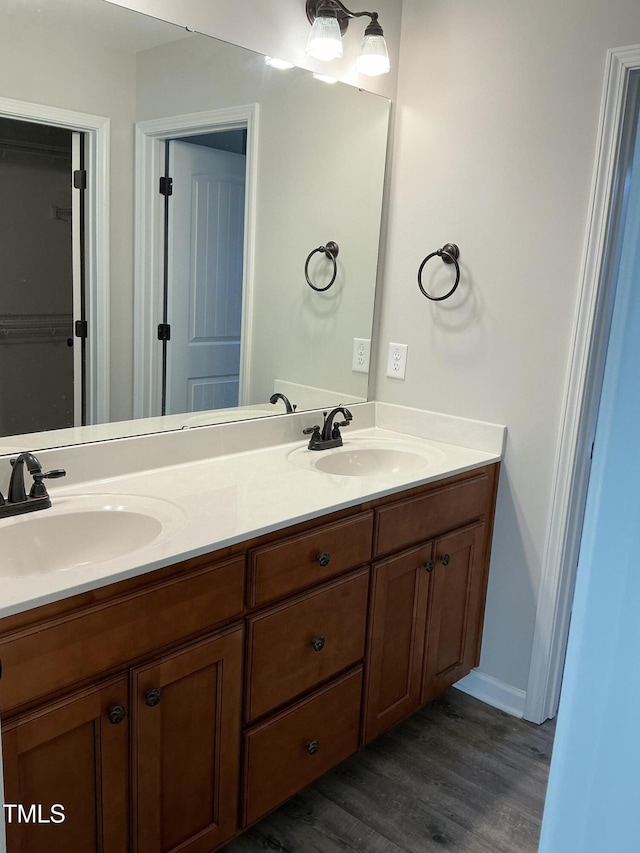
(313, 746)
(445, 559)
(324, 558)
(153, 697)
(116, 714)
(318, 644)
(429, 566)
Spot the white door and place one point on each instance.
(205, 274)
(77, 238)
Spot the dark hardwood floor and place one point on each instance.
(456, 776)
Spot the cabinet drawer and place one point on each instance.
(416, 519)
(290, 750)
(300, 561)
(294, 646)
(56, 653)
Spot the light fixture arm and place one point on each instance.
(349, 14)
(313, 7)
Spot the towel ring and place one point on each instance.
(449, 254)
(330, 251)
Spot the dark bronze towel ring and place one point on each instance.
(331, 251)
(449, 254)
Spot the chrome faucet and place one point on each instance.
(330, 435)
(278, 396)
(18, 501)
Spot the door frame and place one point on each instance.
(150, 137)
(97, 133)
(583, 386)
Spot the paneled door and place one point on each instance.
(186, 735)
(66, 774)
(205, 242)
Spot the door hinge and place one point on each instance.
(164, 332)
(80, 179)
(166, 186)
(81, 329)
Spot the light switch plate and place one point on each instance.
(361, 355)
(397, 361)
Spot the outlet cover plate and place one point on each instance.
(361, 355)
(397, 361)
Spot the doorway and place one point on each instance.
(201, 330)
(42, 362)
(216, 322)
(607, 213)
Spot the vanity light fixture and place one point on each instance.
(329, 20)
(281, 64)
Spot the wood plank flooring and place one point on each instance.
(456, 776)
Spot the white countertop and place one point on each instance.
(218, 500)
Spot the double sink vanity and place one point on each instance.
(205, 621)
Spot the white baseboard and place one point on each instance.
(493, 692)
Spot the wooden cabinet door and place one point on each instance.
(186, 723)
(70, 753)
(397, 617)
(456, 604)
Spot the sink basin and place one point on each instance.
(377, 458)
(372, 462)
(81, 531)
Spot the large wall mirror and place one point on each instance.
(165, 200)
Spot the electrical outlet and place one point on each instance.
(361, 355)
(397, 361)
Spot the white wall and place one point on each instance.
(496, 120)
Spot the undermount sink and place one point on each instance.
(377, 458)
(83, 530)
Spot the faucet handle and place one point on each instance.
(38, 489)
(315, 442)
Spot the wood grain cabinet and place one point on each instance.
(427, 604)
(146, 760)
(455, 609)
(186, 746)
(168, 712)
(75, 754)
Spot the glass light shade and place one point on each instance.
(374, 57)
(325, 41)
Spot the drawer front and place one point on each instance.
(309, 558)
(290, 750)
(294, 646)
(53, 655)
(414, 520)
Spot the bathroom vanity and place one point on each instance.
(170, 709)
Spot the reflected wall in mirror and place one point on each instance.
(313, 164)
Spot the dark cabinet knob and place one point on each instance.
(116, 714)
(324, 558)
(318, 644)
(152, 697)
(429, 566)
(445, 559)
(312, 747)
